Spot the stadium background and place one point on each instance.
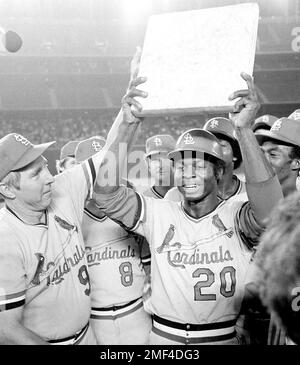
(67, 80)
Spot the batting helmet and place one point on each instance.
(222, 128)
(198, 140)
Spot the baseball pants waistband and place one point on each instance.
(193, 333)
(71, 340)
(117, 311)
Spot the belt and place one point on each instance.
(194, 333)
(71, 340)
(116, 310)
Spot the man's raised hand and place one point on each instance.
(129, 104)
(246, 108)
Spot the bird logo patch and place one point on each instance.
(217, 222)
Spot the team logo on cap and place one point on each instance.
(265, 119)
(96, 146)
(22, 140)
(214, 123)
(277, 125)
(188, 139)
(157, 141)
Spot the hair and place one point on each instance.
(278, 256)
(12, 179)
(295, 152)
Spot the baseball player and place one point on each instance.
(116, 272)
(44, 280)
(229, 185)
(282, 149)
(200, 249)
(281, 146)
(67, 156)
(161, 170)
(159, 165)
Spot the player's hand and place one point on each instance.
(246, 108)
(129, 104)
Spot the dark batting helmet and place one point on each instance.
(197, 140)
(222, 128)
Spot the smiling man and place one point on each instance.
(281, 146)
(44, 282)
(200, 249)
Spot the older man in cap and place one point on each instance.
(44, 280)
(201, 248)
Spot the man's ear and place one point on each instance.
(59, 167)
(6, 191)
(295, 164)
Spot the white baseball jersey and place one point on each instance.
(114, 260)
(151, 192)
(198, 265)
(43, 267)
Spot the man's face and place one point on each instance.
(161, 168)
(194, 177)
(35, 186)
(278, 157)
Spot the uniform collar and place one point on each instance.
(45, 225)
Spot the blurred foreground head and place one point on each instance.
(279, 259)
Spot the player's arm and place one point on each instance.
(263, 188)
(116, 201)
(12, 332)
(118, 123)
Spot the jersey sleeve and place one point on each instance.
(124, 206)
(248, 228)
(78, 183)
(12, 274)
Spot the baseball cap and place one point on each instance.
(284, 129)
(159, 143)
(264, 122)
(295, 115)
(68, 150)
(17, 152)
(223, 128)
(198, 140)
(89, 147)
(220, 126)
